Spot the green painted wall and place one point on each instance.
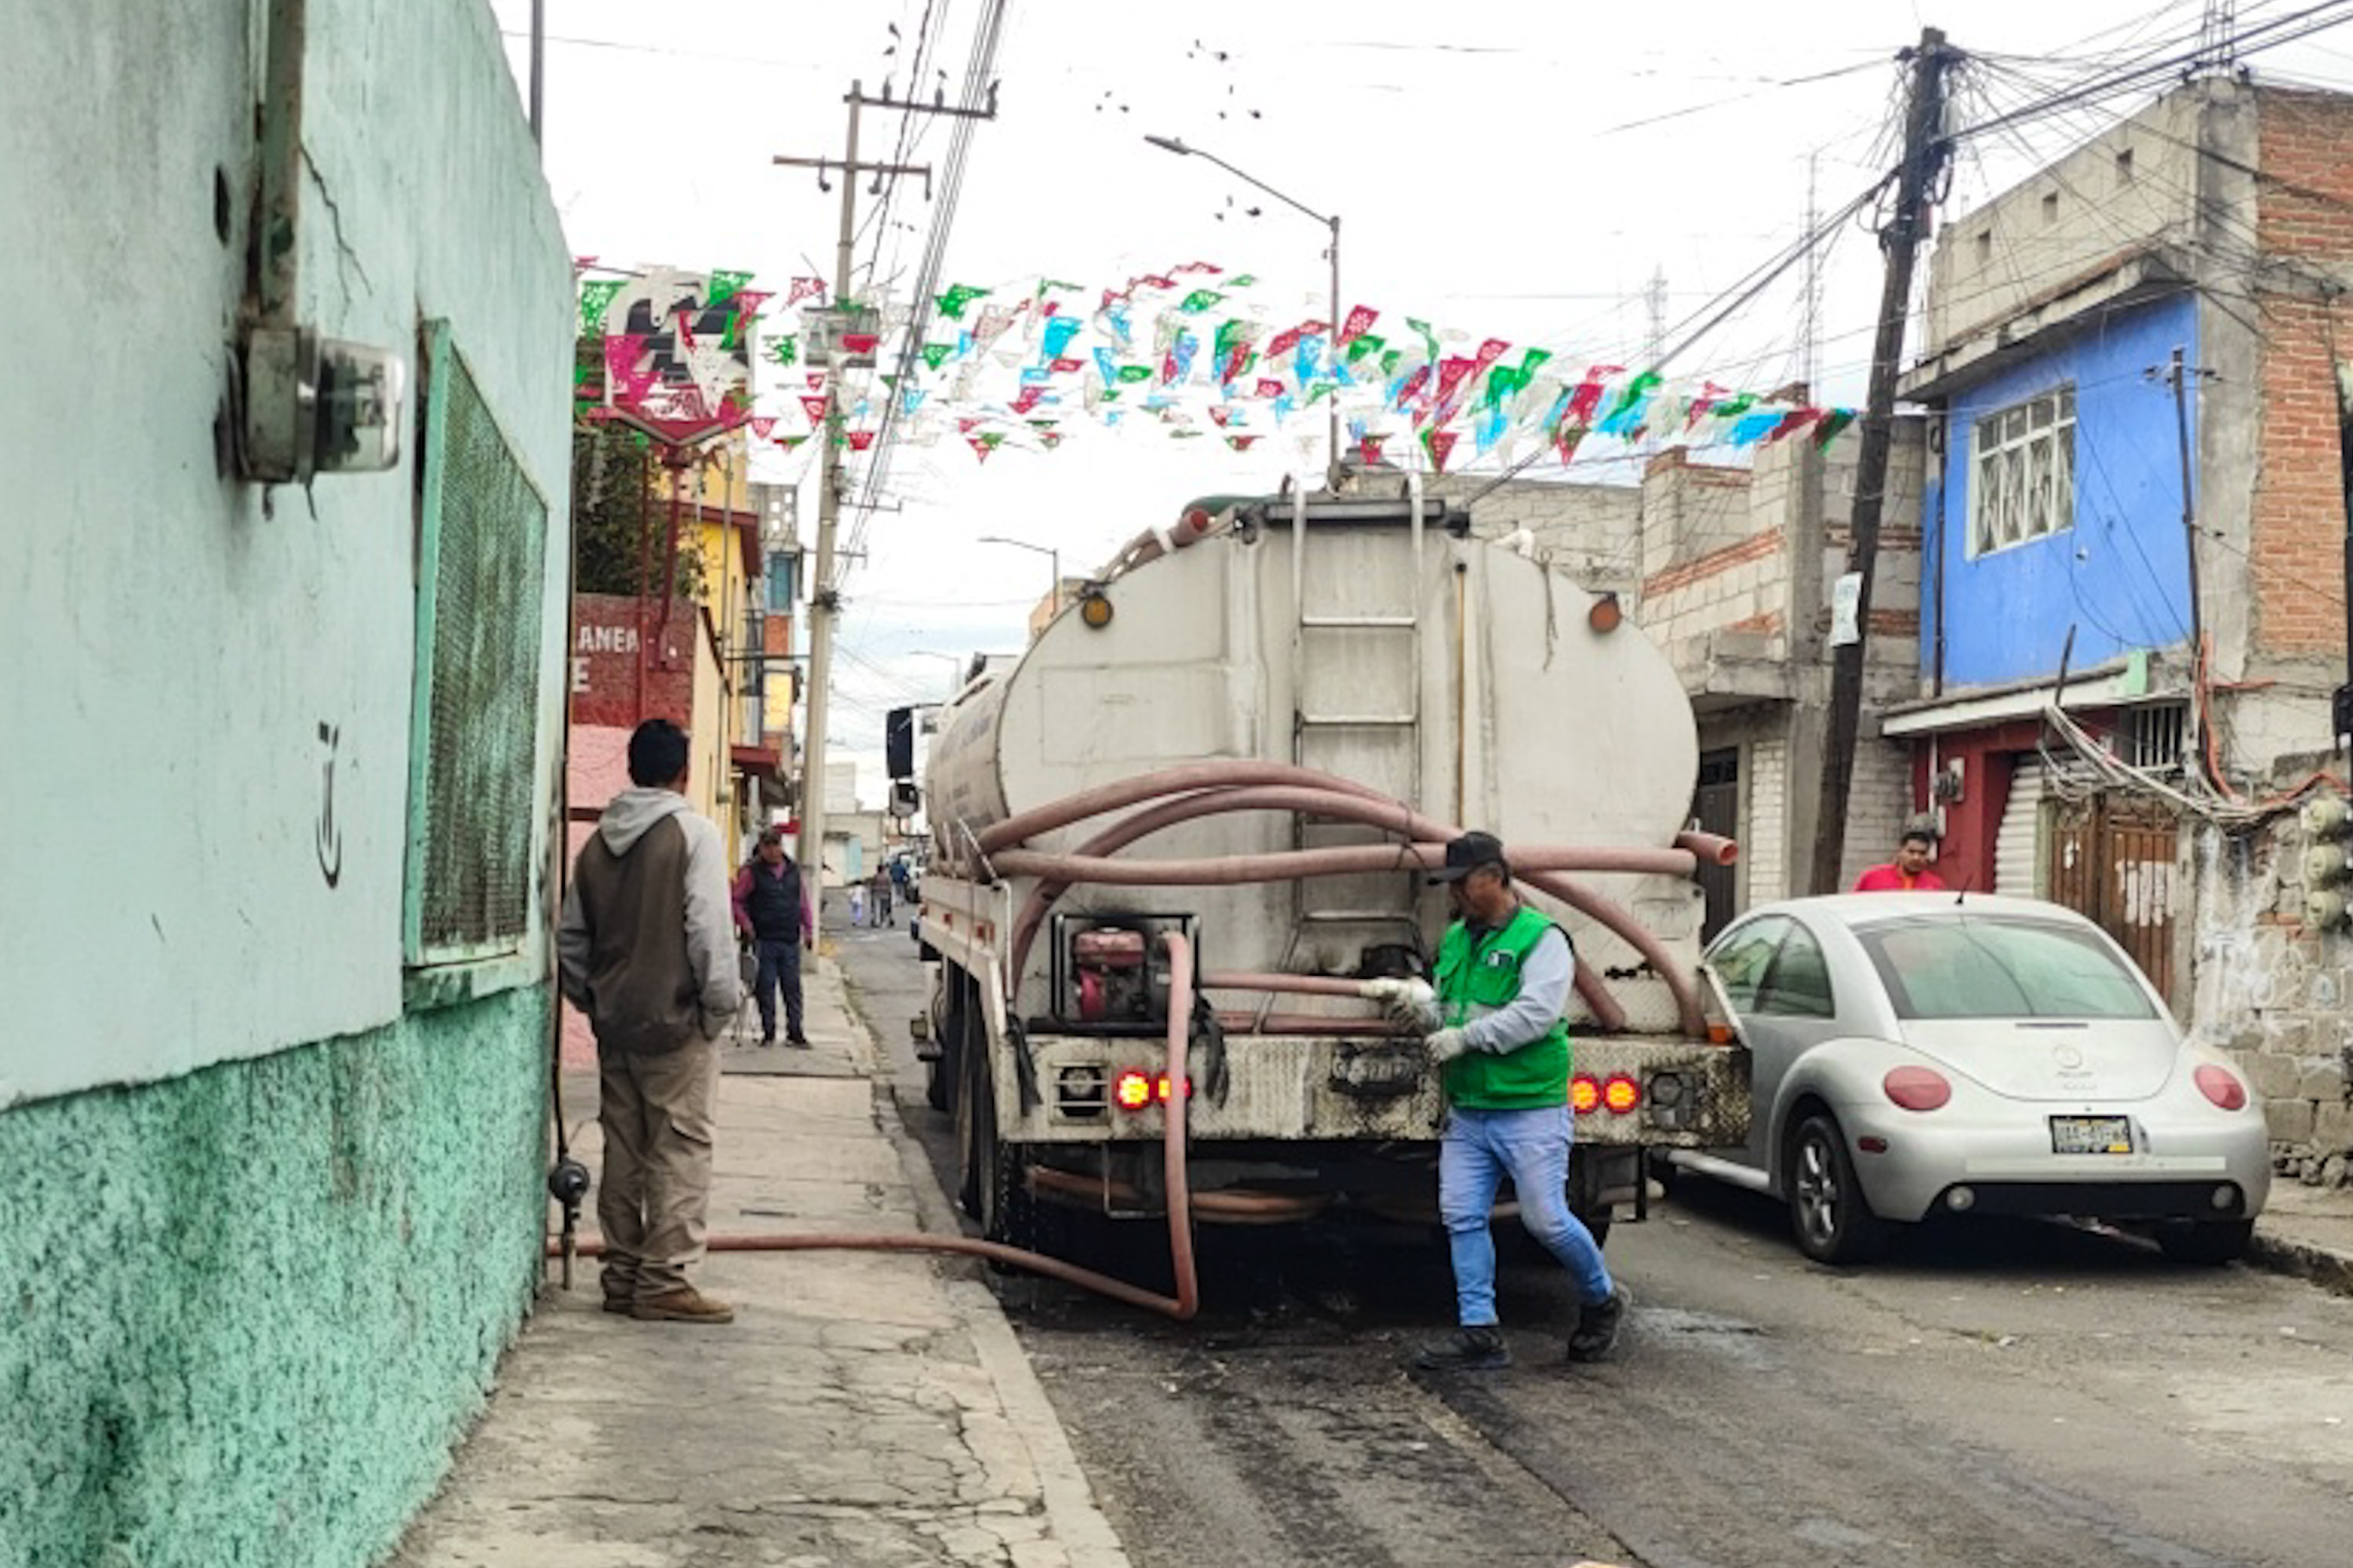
(246, 1314)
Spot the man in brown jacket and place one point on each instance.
(646, 950)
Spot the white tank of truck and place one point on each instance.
(1410, 680)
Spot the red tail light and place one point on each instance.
(1133, 1090)
(1916, 1088)
(2221, 1085)
(1161, 1088)
(1621, 1094)
(1584, 1093)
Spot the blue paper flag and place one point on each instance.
(1060, 331)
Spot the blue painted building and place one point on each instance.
(2155, 787)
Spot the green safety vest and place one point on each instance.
(1527, 1077)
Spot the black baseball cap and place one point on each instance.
(1467, 854)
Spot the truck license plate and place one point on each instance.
(2090, 1135)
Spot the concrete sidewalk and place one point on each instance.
(2307, 1232)
(863, 1408)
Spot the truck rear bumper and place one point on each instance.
(1295, 1089)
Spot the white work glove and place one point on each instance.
(1409, 1002)
(1446, 1045)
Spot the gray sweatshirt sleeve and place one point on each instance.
(710, 924)
(572, 948)
(1545, 976)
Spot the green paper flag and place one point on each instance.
(1045, 284)
(1200, 300)
(1110, 394)
(1429, 338)
(1833, 420)
(1733, 407)
(958, 296)
(1365, 344)
(1135, 373)
(726, 286)
(935, 354)
(595, 300)
(1642, 387)
(785, 350)
(1244, 281)
(1391, 360)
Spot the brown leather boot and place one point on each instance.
(684, 1304)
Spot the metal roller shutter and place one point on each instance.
(2018, 844)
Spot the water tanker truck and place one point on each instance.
(1173, 842)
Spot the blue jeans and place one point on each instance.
(1478, 1150)
(780, 962)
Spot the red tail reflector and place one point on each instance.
(1621, 1093)
(1133, 1090)
(1161, 1088)
(1584, 1093)
(1916, 1088)
(2221, 1085)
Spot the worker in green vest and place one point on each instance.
(1503, 979)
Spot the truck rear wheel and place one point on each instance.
(992, 1189)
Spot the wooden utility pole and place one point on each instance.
(1925, 149)
(825, 600)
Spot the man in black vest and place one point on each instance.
(773, 910)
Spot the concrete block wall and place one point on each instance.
(1589, 531)
(1765, 849)
(1879, 802)
(2276, 992)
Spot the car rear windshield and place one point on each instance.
(2000, 968)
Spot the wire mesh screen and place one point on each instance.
(491, 528)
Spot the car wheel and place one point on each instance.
(1828, 1214)
(2209, 1242)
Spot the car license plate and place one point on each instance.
(2090, 1135)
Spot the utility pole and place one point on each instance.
(824, 599)
(1809, 332)
(1925, 149)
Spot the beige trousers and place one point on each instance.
(656, 1114)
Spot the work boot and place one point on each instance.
(798, 1038)
(1598, 1322)
(683, 1305)
(1479, 1348)
(768, 1038)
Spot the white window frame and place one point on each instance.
(2022, 472)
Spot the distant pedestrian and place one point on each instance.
(772, 909)
(643, 950)
(1908, 871)
(885, 911)
(857, 896)
(900, 878)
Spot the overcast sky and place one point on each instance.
(1512, 168)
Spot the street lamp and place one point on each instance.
(1330, 221)
(1055, 595)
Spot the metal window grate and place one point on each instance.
(2154, 736)
(480, 629)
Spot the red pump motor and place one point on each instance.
(1112, 975)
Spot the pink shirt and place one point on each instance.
(1890, 878)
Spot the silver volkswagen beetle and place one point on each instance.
(1922, 1053)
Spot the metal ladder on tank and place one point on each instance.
(1393, 731)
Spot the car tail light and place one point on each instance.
(1162, 1087)
(2221, 1085)
(1621, 1094)
(1584, 1093)
(1133, 1090)
(1916, 1088)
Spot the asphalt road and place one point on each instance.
(1995, 1393)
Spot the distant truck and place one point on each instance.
(1288, 685)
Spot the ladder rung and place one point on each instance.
(1359, 622)
(1359, 719)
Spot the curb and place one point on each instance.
(2330, 1270)
(1078, 1527)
